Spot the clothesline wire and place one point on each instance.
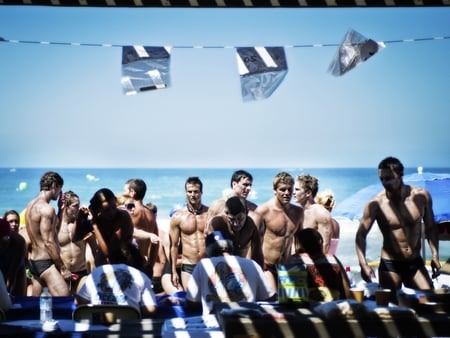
(208, 47)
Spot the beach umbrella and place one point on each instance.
(437, 184)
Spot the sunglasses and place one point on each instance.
(129, 206)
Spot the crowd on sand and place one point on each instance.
(113, 252)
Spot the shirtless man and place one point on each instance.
(144, 221)
(46, 264)
(241, 185)
(241, 229)
(315, 215)
(187, 226)
(277, 221)
(74, 233)
(399, 211)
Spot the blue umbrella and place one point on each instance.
(437, 184)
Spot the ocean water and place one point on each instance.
(165, 188)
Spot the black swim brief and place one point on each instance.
(187, 268)
(406, 269)
(39, 266)
(272, 268)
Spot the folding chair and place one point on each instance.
(105, 313)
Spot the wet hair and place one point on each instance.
(195, 180)
(309, 240)
(139, 187)
(392, 164)
(238, 175)
(235, 205)
(49, 178)
(99, 197)
(282, 178)
(309, 183)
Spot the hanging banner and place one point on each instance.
(261, 69)
(354, 50)
(145, 68)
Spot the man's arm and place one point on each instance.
(325, 228)
(256, 249)
(431, 234)
(360, 242)
(174, 237)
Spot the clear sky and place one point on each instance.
(63, 106)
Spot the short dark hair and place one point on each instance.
(99, 197)
(194, 180)
(49, 178)
(239, 175)
(139, 187)
(235, 205)
(392, 164)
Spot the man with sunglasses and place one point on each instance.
(240, 228)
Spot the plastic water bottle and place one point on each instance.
(45, 306)
(349, 273)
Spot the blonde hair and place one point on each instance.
(326, 198)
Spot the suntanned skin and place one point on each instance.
(315, 215)
(278, 220)
(145, 227)
(73, 252)
(241, 229)
(189, 228)
(41, 226)
(398, 211)
(240, 189)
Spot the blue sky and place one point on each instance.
(63, 106)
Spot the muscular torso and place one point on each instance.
(72, 253)
(400, 224)
(279, 228)
(243, 239)
(191, 230)
(41, 228)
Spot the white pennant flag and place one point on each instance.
(261, 69)
(145, 68)
(354, 50)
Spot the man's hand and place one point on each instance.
(367, 273)
(435, 268)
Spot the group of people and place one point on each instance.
(228, 251)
